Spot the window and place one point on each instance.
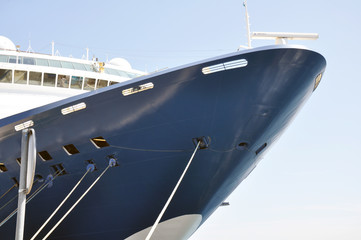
(49, 79)
(4, 58)
(54, 63)
(35, 78)
(88, 67)
(2, 167)
(89, 84)
(79, 66)
(12, 59)
(6, 75)
(122, 73)
(63, 81)
(67, 65)
(99, 142)
(111, 71)
(45, 156)
(20, 77)
(42, 62)
(30, 61)
(112, 83)
(70, 149)
(102, 83)
(76, 82)
(133, 75)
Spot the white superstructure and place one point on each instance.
(29, 80)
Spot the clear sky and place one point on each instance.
(308, 186)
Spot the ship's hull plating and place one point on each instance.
(241, 111)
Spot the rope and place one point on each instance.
(36, 192)
(8, 191)
(61, 204)
(8, 202)
(76, 203)
(171, 196)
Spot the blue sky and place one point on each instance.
(308, 185)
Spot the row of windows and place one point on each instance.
(52, 80)
(62, 64)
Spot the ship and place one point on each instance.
(117, 153)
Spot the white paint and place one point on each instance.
(16, 98)
(120, 62)
(6, 43)
(177, 228)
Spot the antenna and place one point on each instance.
(247, 22)
(280, 37)
(248, 29)
(52, 48)
(57, 53)
(29, 50)
(87, 53)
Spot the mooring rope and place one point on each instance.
(61, 204)
(172, 194)
(8, 191)
(36, 192)
(8, 202)
(112, 163)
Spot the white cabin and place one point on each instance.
(29, 80)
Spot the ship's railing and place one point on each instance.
(49, 79)
(63, 64)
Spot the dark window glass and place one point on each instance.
(35, 78)
(102, 83)
(30, 61)
(89, 84)
(12, 59)
(63, 81)
(20, 77)
(76, 82)
(6, 75)
(49, 79)
(112, 83)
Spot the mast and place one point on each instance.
(247, 22)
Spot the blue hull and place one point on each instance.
(242, 111)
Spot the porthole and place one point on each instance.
(3, 168)
(45, 156)
(70, 149)
(99, 142)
